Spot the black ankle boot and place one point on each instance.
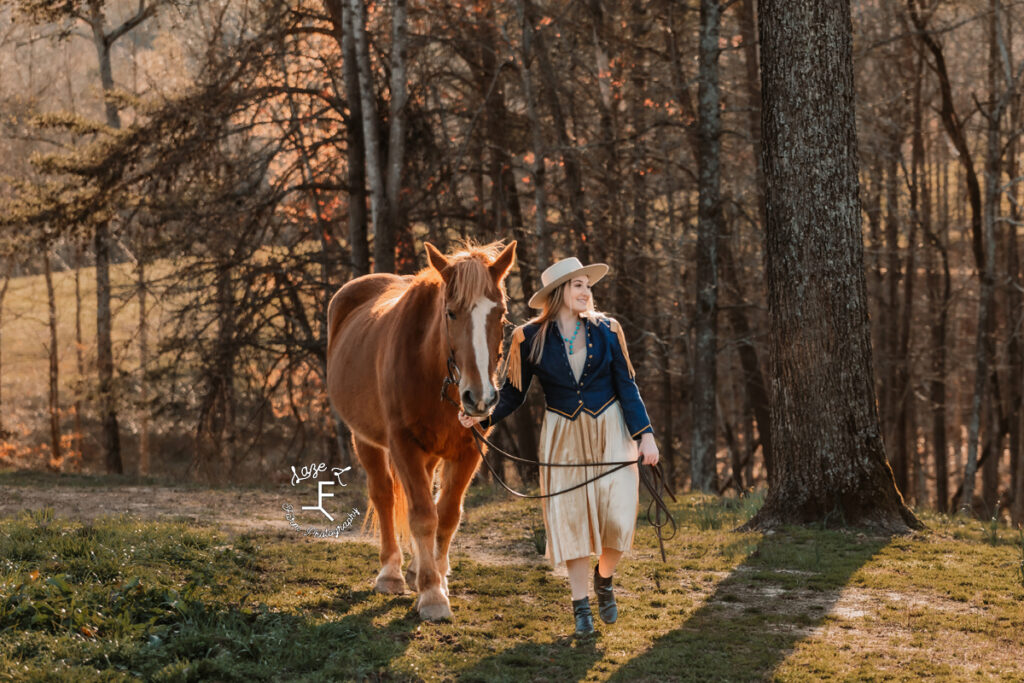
(584, 619)
(606, 606)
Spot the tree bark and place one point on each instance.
(830, 456)
(709, 227)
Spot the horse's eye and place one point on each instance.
(451, 314)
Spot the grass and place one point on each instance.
(125, 599)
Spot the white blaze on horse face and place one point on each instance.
(481, 309)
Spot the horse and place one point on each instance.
(389, 342)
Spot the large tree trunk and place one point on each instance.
(830, 457)
(709, 227)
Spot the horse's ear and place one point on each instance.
(499, 269)
(436, 259)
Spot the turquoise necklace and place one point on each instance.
(576, 332)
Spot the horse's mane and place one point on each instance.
(470, 277)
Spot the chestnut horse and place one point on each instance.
(388, 344)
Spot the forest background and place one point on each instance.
(185, 184)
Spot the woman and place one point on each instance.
(594, 414)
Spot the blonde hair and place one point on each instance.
(552, 305)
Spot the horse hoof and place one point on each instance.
(389, 585)
(438, 612)
(410, 578)
(434, 606)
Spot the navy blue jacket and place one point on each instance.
(607, 376)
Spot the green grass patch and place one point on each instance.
(124, 599)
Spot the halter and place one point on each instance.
(454, 375)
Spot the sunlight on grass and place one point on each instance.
(121, 598)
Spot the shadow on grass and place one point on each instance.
(232, 644)
(556, 660)
(776, 598)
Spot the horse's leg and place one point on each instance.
(456, 477)
(414, 468)
(382, 494)
(411, 570)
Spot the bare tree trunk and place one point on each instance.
(104, 41)
(359, 249)
(105, 353)
(757, 396)
(51, 301)
(396, 228)
(505, 206)
(3, 295)
(538, 172)
(1015, 305)
(986, 305)
(830, 456)
(79, 351)
(981, 246)
(383, 235)
(104, 322)
(142, 467)
(573, 175)
(940, 316)
(895, 389)
(753, 379)
(748, 31)
(709, 227)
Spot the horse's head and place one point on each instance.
(474, 299)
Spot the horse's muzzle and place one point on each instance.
(473, 407)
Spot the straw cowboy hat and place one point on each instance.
(566, 269)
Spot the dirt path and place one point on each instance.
(237, 511)
(233, 510)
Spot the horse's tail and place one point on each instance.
(371, 523)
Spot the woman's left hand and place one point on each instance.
(649, 449)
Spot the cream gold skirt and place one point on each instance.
(603, 513)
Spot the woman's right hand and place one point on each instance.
(467, 421)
